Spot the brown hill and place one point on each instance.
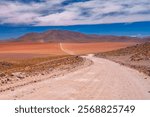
(137, 56)
(69, 36)
(142, 50)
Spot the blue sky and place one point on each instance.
(121, 29)
(32, 14)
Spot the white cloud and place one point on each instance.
(52, 12)
(63, 18)
(23, 13)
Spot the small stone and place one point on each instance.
(42, 74)
(12, 89)
(2, 74)
(19, 75)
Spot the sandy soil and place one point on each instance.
(29, 50)
(11, 56)
(86, 48)
(104, 79)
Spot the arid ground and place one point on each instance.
(103, 79)
(137, 57)
(67, 71)
(86, 48)
(27, 50)
(30, 48)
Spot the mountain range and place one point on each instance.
(55, 36)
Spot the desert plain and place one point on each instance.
(53, 49)
(67, 71)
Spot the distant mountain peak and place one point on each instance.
(70, 36)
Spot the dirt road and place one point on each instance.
(65, 50)
(104, 79)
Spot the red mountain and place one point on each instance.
(69, 36)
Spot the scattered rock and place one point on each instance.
(19, 75)
(2, 74)
(5, 64)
